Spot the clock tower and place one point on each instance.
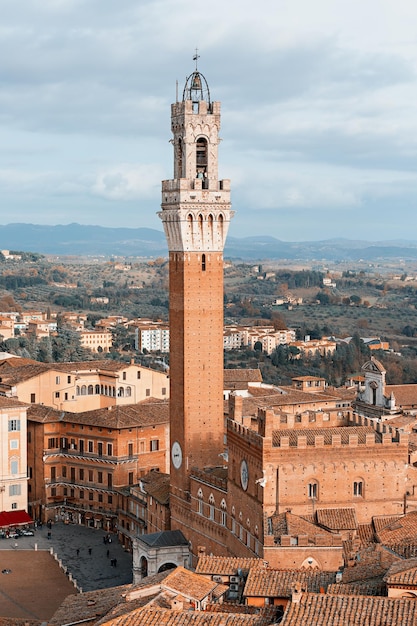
(195, 214)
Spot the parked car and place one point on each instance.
(26, 532)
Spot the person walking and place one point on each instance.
(89, 551)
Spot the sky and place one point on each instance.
(319, 111)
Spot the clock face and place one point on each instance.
(176, 455)
(244, 475)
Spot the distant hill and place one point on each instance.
(77, 239)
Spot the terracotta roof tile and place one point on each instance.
(119, 416)
(242, 375)
(332, 610)
(370, 587)
(189, 584)
(337, 519)
(402, 573)
(279, 583)
(294, 525)
(164, 617)
(327, 433)
(227, 565)
(402, 530)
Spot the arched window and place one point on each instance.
(200, 503)
(121, 392)
(128, 391)
(201, 157)
(211, 506)
(90, 390)
(358, 488)
(313, 490)
(98, 389)
(77, 390)
(83, 390)
(223, 513)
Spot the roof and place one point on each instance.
(157, 485)
(227, 565)
(331, 610)
(165, 617)
(405, 395)
(402, 573)
(14, 518)
(400, 531)
(189, 584)
(293, 525)
(146, 413)
(280, 583)
(165, 538)
(98, 604)
(370, 587)
(337, 519)
(232, 375)
(328, 433)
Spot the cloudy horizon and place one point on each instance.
(319, 123)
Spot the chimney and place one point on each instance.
(296, 593)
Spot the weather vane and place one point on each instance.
(195, 58)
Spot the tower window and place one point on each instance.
(201, 157)
(358, 488)
(313, 490)
(203, 262)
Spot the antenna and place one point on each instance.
(195, 58)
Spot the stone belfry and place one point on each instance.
(195, 214)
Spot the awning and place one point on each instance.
(14, 518)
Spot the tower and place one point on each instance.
(196, 215)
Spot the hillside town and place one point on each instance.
(241, 502)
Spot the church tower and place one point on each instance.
(195, 214)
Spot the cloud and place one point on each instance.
(128, 182)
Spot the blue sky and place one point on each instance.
(319, 121)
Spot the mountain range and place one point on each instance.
(81, 240)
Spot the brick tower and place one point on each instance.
(196, 215)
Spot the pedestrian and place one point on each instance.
(108, 553)
(89, 551)
(115, 562)
(78, 551)
(49, 534)
(104, 540)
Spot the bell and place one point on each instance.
(196, 82)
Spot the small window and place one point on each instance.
(358, 488)
(110, 481)
(91, 496)
(57, 380)
(203, 262)
(109, 449)
(130, 449)
(14, 467)
(110, 499)
(100, 497)
(164, 391)
(14, 425)
(56, 394)
(124, 375)
(313, 491)
(14, 444)
(100, 448)
(81, 495)
(64, 471)
(138, 374)
(14, 505)
(90, 476)
(33, 398)
(130, 478)
(99, 477)
(154, 445)
(68, 379)
(90, 446)
(148, 392)
(81, 474)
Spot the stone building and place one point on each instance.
(79, 464)
(81, 386)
